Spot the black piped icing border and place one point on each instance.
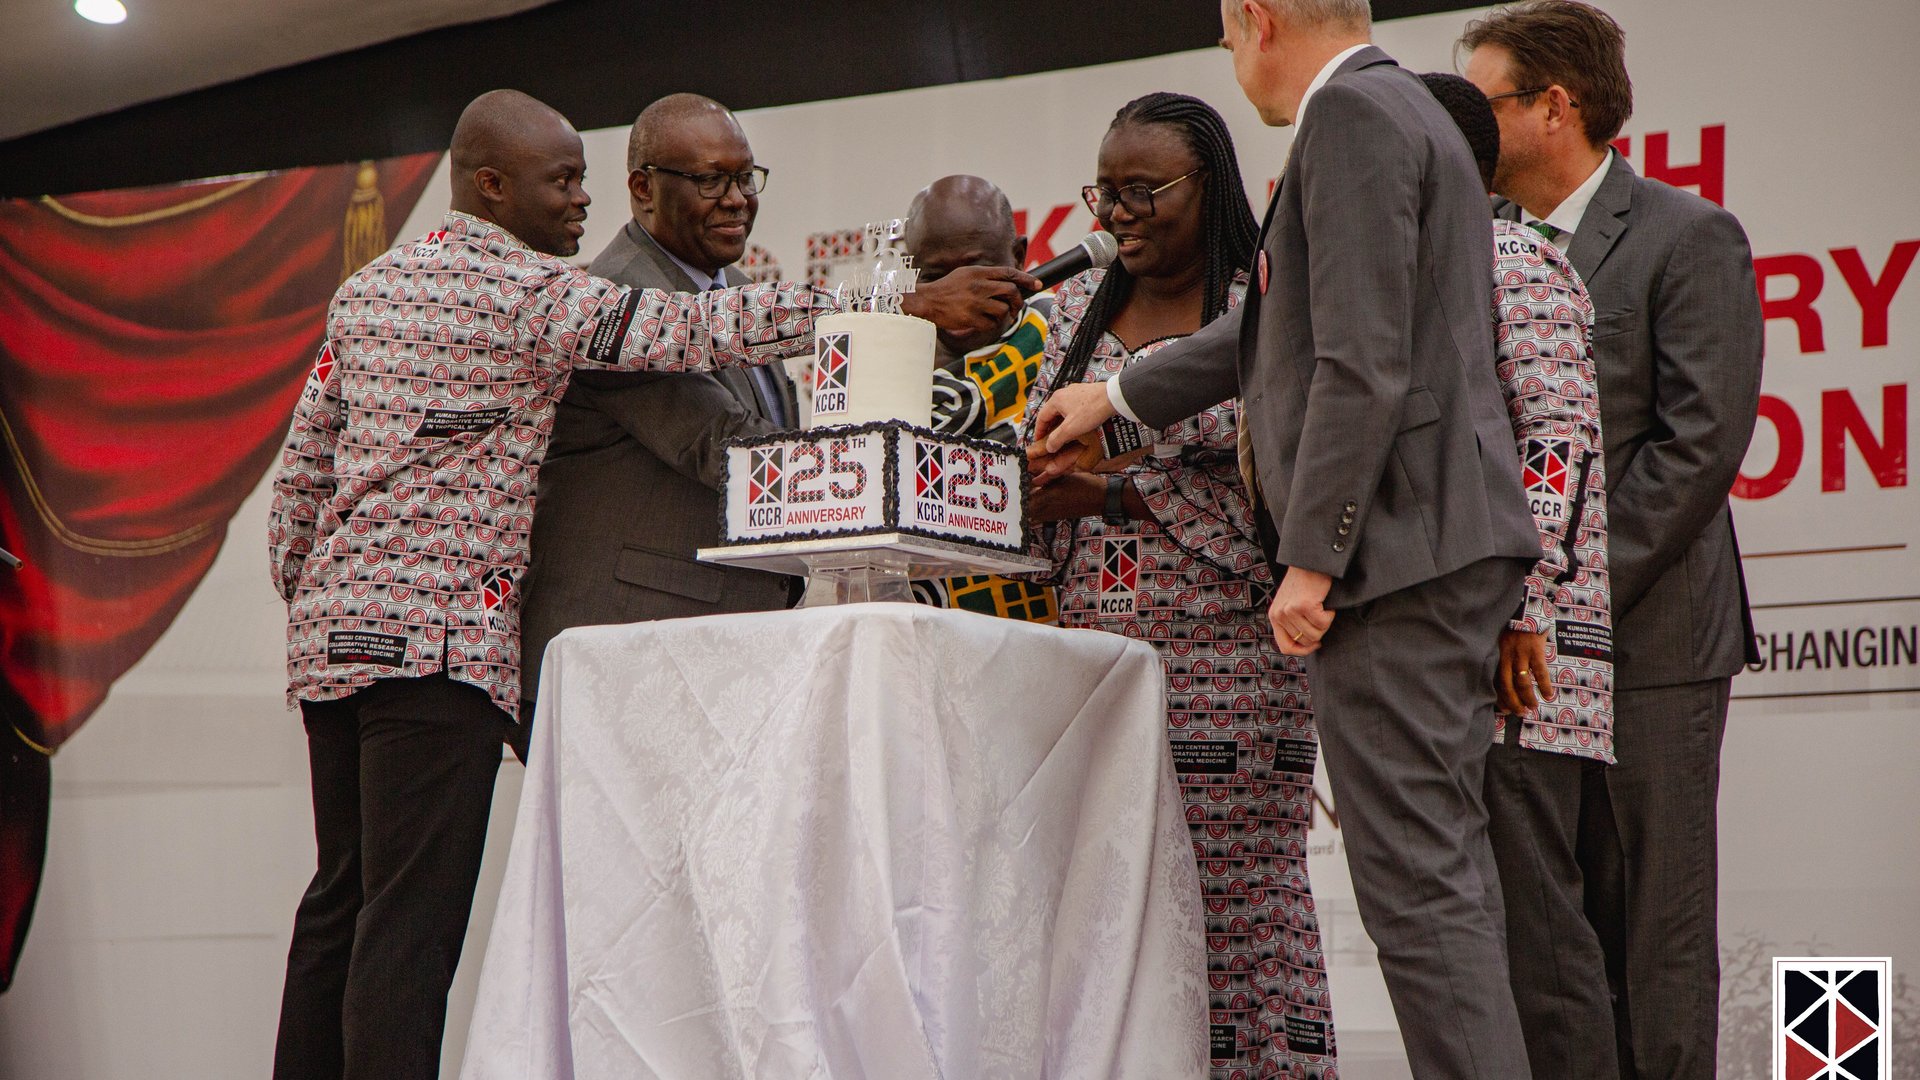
(890, 477)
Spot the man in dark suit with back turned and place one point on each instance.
(1677, 340)
(630, 487)
(1364, 357)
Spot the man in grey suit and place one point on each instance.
(1677, 340)
(1364, 358)
(630, 488)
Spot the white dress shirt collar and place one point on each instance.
(1567, 216)
(1320, 80)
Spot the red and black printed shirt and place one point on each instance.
(405, 493)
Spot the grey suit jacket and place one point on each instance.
(1364, 352)
(630, 487)
(1677, 337)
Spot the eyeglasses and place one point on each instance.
(1491, 98)
(713, 185)
(1137, 198)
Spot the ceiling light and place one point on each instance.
(101, 11)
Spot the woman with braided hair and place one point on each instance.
(1159, 542)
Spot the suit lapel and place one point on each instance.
(647, 248)
(1605, 219)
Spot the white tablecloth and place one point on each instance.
(875, 842)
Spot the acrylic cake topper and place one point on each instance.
(889, 275)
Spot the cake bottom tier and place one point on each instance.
(874, 478)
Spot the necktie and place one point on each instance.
(772, 402)
(1547, 232)
(1243, 447)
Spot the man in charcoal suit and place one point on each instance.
(1364, 358)
(1677, 341)
(631, 484)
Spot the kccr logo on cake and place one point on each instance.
(929, 484)
(766, 487)
(832, 362)
(963, 491)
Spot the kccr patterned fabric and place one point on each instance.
(1542, 325)
(405, 492)
(1191, 582)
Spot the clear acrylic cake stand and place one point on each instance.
(880, 566)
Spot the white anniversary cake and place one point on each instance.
(868, 464)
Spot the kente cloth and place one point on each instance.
(987, 400)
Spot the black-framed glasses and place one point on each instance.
(713, 185)
(1529, 92)
(1137, 198)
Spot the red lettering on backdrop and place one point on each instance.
(1875, 296)
(1797, 305)
(1786, 461)
(1886, 456)
(1709, 174)
(1040, 243)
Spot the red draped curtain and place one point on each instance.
(152, 344)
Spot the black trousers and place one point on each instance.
(1535, 800)
(1610, 880)
(1649, 847)
(403, 776)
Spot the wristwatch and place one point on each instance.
(1116, 511)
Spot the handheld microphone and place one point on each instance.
(1096, 252)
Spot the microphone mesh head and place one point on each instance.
(1103, 247)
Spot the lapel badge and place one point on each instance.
(1261, 263)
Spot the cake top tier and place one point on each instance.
(870, 367)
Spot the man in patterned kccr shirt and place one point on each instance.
(1553, 733)
(399, 534)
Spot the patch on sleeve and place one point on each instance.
(604, 346)
(1120, 436)
(1582, 640)
(1545, 472)
(446, 423)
